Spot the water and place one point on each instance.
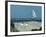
(25, 20)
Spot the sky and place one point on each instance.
(21, 11)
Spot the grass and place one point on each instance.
(14, 29)
(37, 29)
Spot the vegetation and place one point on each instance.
(12, 28)
(37, 29)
